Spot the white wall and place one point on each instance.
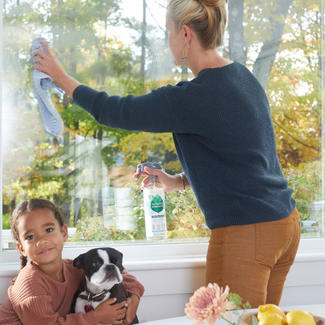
(170, 279)
(168, 290)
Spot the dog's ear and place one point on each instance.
(115, 257)
(78, 262)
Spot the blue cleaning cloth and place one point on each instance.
(52, 121)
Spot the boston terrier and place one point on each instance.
(102, 279)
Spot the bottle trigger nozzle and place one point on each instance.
(140, 169)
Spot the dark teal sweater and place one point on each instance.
(224, 138)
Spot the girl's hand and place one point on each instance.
(133, 303)
(12, 282)
(107, 313)
(47, 62)
(169, 182)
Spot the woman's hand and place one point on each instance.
(169, 182)
(47, 62)
(107, 313)
(133, 303)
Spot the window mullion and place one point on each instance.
(1, 135)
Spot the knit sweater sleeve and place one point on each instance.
(131, 284)
(162, 110)
(38, 310)
(8, 315)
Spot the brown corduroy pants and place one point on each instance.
(254, 260)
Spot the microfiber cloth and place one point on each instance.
(52, 121)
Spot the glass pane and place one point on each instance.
(110, 46)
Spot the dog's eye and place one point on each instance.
(96, 264)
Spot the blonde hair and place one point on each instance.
(207, 18)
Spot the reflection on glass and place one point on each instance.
(89, 174)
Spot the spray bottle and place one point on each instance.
(154, 204)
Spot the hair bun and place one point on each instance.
(213, 3)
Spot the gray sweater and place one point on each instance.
(224, 137)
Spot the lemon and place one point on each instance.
(299, 317)
(270, 318)
(270, 309)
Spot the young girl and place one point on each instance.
(45, 286)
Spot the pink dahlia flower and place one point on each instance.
(209, 304)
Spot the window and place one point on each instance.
(110, 46)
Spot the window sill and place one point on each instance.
(163, 255)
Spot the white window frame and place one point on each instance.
(1, 73)
(149, 256)
(152, 255)
(322, 145)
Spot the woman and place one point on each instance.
(224, 138)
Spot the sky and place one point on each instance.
(134, 9)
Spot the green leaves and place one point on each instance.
(237, 300)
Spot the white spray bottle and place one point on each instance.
(154, 205)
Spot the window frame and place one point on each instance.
(150, 256)
(1, 73)
(322, 88)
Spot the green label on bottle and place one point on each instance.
(157, 204)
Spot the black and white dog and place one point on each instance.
(102, 279)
